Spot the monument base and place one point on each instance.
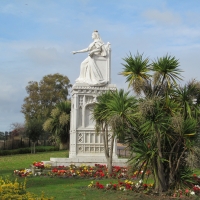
(86, 160)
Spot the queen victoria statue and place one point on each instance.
(85, 145)
(92, 70)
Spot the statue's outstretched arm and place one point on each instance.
(81, 51)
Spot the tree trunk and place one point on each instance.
(161, 175)
(108, 154)
(34, 147)
(109, 160)
(31, 147)
(155, 174)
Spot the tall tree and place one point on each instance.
(34, 130)
(44, 95)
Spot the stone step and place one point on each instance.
(86, 161)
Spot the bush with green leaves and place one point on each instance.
(15, 190)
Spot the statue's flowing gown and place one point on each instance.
(89, 72)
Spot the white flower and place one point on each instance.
(192, 193)
(122, 188)
(140, 181)
(137, 185)
(27, 170)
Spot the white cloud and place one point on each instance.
(9, 9)
(7, 91)
(43, 56)
(162, 17)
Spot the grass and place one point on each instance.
(72, 188)
(20, 161)
(62, 188)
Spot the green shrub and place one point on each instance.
(28, 150)
(16, 190)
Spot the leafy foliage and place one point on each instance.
(34, 130)
(44, 95)
(114, 110)
(136, 71)
(16, 190)
(167, 117)
(59, 122)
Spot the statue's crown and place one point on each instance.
(95, 31)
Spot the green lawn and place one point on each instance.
(10, 163)
(62, 188)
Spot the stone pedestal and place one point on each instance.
(84, 141)
(86, 146)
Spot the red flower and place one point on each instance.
(145, 186)
(187, 191)
(39, 164)
(196, 189)
(101, 186)
(128, 186)
(114, 186)
(54, 170)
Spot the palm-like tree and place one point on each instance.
(188, 98)
(155, 124)
(122, 108)
(59, 123)
(166, 68)
(162, 120)
(182, 141)
(114, 110)
(136, 71)
(100, 115)
(144, 154)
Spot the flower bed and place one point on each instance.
(141, 187)
(126, 181)
(123, 186)
(83, 171)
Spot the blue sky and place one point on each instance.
(37, 38)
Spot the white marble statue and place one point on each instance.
(90, 72)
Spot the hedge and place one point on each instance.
(28, 150)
